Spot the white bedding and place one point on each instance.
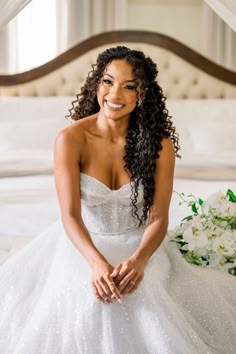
(28, 205)
(207, 138)
(28, 127)
(26, 163)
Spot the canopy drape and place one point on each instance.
(226, 9)
(9, 9)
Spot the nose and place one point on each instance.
(116, 91)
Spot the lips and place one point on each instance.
(114, 105)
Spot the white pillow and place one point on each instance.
(28, 126)
(34, 108)
(220, 166)
(213, 137)
(26, 162)
(205, 126)
(180, 118)
(29, 134)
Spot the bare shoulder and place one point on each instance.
(166, 162)
(168, 149)
(75, 134)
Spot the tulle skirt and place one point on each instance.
(47, 305)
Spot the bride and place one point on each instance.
(104, 279)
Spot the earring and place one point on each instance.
(139, 103)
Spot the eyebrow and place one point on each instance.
(134, 81)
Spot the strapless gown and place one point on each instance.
(47, 305)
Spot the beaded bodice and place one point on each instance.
(105, 210)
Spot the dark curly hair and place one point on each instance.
(149, 122)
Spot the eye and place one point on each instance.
(107, 81)
(130, 87)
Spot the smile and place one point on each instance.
(114, 105)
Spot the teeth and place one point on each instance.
(114, 105)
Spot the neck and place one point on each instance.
(113, 130)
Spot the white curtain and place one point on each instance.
(29, 39)
(9, 9)
(48, 27)
(226, 9)
(80, 19)
(218, 39)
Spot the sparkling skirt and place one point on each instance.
(47, 305)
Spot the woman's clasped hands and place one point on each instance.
(112, 283)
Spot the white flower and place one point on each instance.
(214, 201)
(234, 236)
(219, 205)
(196, 239)
(224, 244)
(216, 260)
(176, 231)
(196, 222)
(208, 236)
(232, 209)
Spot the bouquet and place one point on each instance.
(207, 237)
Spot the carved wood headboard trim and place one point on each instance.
(126, 36)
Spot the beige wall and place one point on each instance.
(181, 19)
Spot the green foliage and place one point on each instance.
(231, 195)
(213, 216)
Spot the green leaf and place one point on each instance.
(194, 261)
(200, 201)
(231, 195)
(190, 217)
(232, 271)
(194, 208)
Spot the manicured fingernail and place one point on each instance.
(120, 301)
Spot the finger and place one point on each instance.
(114, 289)
(96, 293)
(112, 285)
(116, 271)
(105, 287)
(123, 271)
(105, 291)
(128, 289)
(100, 295)
(132, 286)
(100, 291)
(124, 282)
(107, 299)
(99, 298)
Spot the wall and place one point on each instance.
(180, 19)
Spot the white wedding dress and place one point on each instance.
(47, 305)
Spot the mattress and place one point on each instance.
(28, 205)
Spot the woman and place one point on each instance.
(105, 280)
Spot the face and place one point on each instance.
(117, 91)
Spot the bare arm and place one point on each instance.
(67, 179)
(159, 213)
(130, 273)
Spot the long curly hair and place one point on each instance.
(149, 122)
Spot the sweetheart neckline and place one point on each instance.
(103, 184)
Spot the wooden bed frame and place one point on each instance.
(189, 75)
(187, 55)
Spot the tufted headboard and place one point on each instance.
(183, 73)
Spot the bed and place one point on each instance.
(201, 98)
